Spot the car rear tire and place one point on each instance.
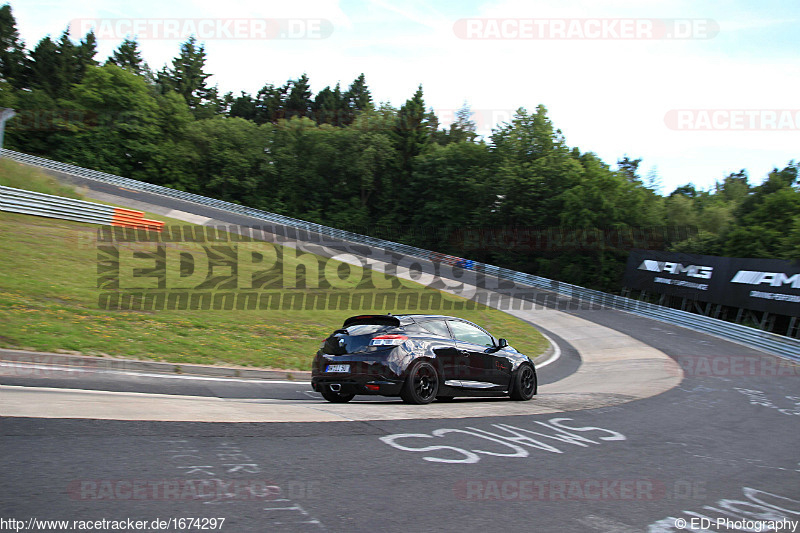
(524, 384)
(421, 385)
(334, 396)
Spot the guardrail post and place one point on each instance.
(6, 114)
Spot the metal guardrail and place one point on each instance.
(51, 206)
(769, 342)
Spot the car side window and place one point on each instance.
(468, 333)
(437, 327)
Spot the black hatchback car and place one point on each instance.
(419, 358)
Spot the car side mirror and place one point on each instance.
(502, 343)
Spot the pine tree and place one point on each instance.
(412, 128)
(355, 99)
(67, 62)
(14, 64)
(298, 103)
(243, 106)
(46, 73)
(187, 75)
(463, 127)
(329, 106)
(84, 56)
(357, 95)
(127, 56)
(630, 168)
(270, 102)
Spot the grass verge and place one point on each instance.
(19, 176)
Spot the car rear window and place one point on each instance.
(366, 329)
(386, 320)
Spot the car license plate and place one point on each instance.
(337, 368)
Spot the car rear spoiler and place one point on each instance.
(383, 320)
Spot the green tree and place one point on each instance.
(84, 55)
(453, 186)
(463, 128)
(167, 163)
(125, 131)
(14, 65)
(270, 104)
(357, 98)
(535, 168)
(301, 154)
(330, 107)
(188, 76)
(767, 217)
(734, 188)
(630, 168)
(228, 158)
(298, 102)
(411, 131)
(243, 106)
(46, 72)
(128, 56)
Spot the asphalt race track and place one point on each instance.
(638, 426)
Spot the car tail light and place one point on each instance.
(388, 340)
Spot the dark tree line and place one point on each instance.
(337, 158)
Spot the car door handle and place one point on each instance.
(464, 353)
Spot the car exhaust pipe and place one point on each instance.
(336, 387)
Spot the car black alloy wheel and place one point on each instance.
(335, 396)
(524, 383)
(421, 385)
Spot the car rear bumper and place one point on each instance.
(358, 384)
(368, 373)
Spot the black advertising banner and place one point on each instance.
(771, 285)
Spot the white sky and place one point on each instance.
(608, 96)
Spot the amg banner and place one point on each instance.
(771, 285)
